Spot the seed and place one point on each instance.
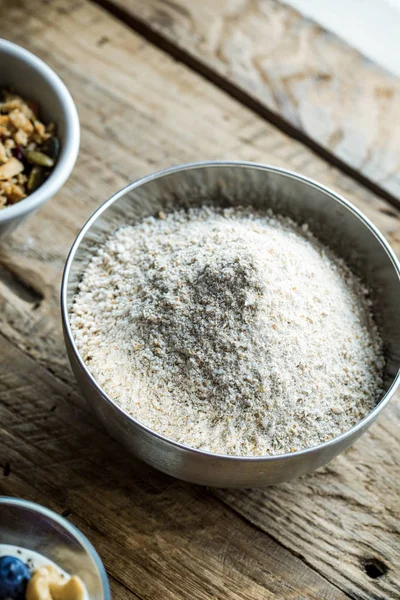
(51, 147)
(39, 158)
(17, 152)
(35, 179)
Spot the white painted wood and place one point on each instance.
(371, 26)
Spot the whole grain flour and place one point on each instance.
(231, 331)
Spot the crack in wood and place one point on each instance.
(375, 567)
(113, 578)
(389, 212)
(20, 288)
(6, 469)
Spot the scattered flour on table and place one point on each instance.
(232, 331)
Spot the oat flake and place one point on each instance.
(233, 331)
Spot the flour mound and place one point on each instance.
(233, 331)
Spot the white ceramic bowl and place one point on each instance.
(32, 78)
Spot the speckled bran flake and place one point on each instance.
(229, 330)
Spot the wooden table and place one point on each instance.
(159, 83)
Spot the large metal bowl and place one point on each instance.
(334, 220)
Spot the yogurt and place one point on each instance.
(47, 578)
(34, 560)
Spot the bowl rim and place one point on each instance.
(70, 146)
(74, 531)
(359, 427)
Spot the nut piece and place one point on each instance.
(3, 153)
(13, 192)
(20, 120)
(11, 168)
(48, 584)
(25, 138)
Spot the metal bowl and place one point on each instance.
(334, 220)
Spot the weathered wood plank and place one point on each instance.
(310, 78)
(157, 537)
(344, 519)
(147, 114)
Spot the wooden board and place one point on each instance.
(285, 65)
(140, 110)
(344, 519)
(157, 537)
(150, 114)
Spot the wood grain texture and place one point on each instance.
(345, 517)
(295, 69)
(157, 537)
(140, 111)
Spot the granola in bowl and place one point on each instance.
(28, 148)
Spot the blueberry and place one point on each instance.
(14, 577)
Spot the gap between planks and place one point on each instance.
(229, 87)
(18, 286)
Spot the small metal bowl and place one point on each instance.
(334, 220)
